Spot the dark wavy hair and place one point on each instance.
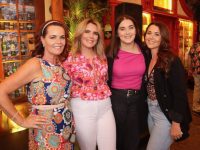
(39, 50)
(112, 51)
(165, 53)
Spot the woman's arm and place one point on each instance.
(25, 74)
(178, 90)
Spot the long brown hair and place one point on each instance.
(39, 50)
(165, 54)
(115, 43)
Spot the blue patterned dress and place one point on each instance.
(53, 89)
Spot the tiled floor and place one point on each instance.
(19, 141)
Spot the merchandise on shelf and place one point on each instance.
(17, 30)
(8, 12)
(9, 69)
(26, 12)
(17, 25)
(9, 45)
(23, 44)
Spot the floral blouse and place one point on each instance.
(51, 89)
(150, 86)
(89, 80)
(195, 57)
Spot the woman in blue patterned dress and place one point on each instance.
(50, 123)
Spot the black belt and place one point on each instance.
(127, 92)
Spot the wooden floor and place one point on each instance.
(193, 142)
(19, 141)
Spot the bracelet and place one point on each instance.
(14, 116)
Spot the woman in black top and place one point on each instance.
(169, 114)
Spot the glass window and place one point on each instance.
(163, 5)
(185, 39)
(146, 19)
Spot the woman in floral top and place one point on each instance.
(194, 70)
(87, 67)
(50, 121)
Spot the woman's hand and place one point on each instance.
(176, 132)
(34, 121)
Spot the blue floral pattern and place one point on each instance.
(52, 89)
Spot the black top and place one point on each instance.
(171, 93)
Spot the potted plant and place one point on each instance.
(77, 10)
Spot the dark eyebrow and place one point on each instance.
(96, 33)
(52, 35)
(157, 32)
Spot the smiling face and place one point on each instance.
(153, 37)
(90, 37)
(54, 41)
(126, 32)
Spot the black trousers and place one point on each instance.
(125, 109)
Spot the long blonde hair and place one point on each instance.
(76, 44)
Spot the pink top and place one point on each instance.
(89, 81)
(128, 70)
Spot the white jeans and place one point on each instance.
(95, 124)
(159, 128)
